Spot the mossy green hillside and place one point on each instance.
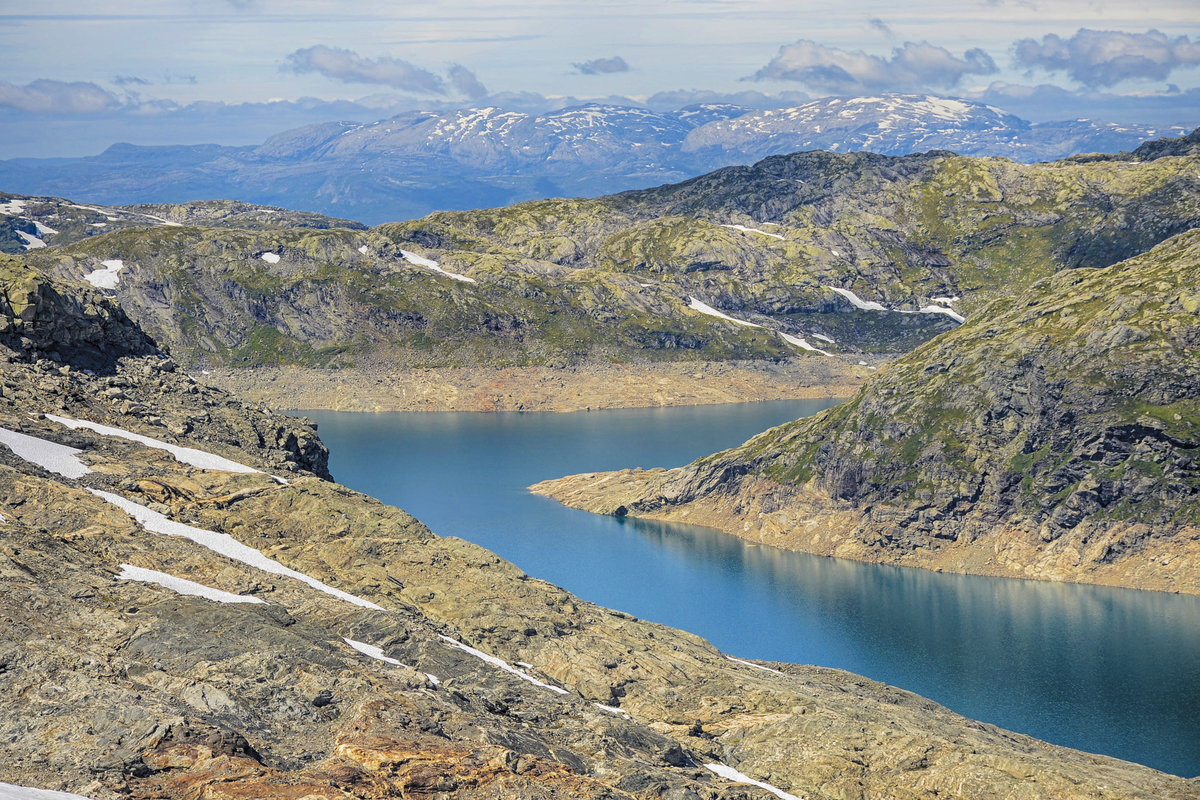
(1074, 400)
(317, 299)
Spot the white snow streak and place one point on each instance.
(363, 249)
(106, 278)
(10, 791)
(12, 207)
(620, 712)
(949, 312)
(752, 664)
(31, 242)
(371, 651)
(802, 344)
(183, 586)
(704, 308)
(57, 458)
(856, 301)
(823, 338)
(871, 305)
(731, 774)
(501, 663)
(429, 263)
(744, 229)
(223, 544)
(270, 258)
(184, 455)
(42, 229)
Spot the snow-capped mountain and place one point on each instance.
(422, 161)
(492, 138)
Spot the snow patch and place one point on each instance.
(363, 249)
(501, 663)
(871, 305)
(42, 229)
(731, 774)
(224, 544)
(429, 263)
(856, 301)
(836, 253)
(184, 455)
(744, 229)
(823, 338)
(949, 312)
(620, 712)
(10, 791)
(183, 586)
(31, 242)
(803, 345)
(752, 664)
(946, 300)
(57, 458)
(371, 651)
(270, 258)
(704, 308)
(106, 278)
(12, 207)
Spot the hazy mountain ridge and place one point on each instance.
(418, 162)
(1054, 435)
(324, 645)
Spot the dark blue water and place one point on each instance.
(1105, 670)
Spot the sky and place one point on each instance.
(77, 76)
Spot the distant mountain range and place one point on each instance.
(418, 162)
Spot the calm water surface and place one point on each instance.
(1106, 670)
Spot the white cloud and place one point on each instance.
(602, 66)
(914, 66)
(58, 97)
(1104, 58)
(349, 67)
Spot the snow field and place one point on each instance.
(184, 455)
(106, 278)
(429, 263)
(731, 774)
(225, 545)
(183, 586)
(57, 458)
(10, 791)
(501, 663)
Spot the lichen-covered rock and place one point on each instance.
(382, 660)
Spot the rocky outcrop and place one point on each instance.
(366, 657)
(1055, 435)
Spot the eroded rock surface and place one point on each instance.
(119, 688)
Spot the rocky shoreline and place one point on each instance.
(584, 388)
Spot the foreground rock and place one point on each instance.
(369, 668)
(1054, 436)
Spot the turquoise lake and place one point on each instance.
(1104, 670)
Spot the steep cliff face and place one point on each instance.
(1056, 435)
(179, 622)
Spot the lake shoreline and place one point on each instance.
(560, 389)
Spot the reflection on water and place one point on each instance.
(1104, 670)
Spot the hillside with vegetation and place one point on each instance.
(1054, 435)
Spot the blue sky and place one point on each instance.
(234, 71)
